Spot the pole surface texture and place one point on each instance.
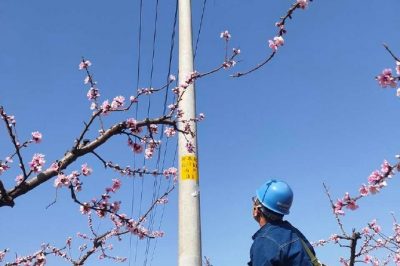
(189, 197)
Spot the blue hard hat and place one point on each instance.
(276, 196)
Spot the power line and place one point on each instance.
(200, 27)
(136, 114)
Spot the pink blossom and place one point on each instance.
(153, 129)
(373, 189)
(386, 167)
(40, 259)
(375, 177)
(118, 102)
(172, 78)
(398, 67)
(170, 132)
(148, 153)
(93, 106)
(84, 64)
(93, 93)
(277, 42)
(367, 258)
(363, 190)
(172, 171)
(380, 243)
(3, 167)
(114, 207)
(190, 147)
(338, 207)
(137, 148)
(365, 231)
(320, 242)
(229, 64)
(334, 238)
(86, 80)
(151, 146)
(81, 235)
(3, 254)
(175, 90)
(201, 117)
(374, 226)
(396, 259)
(344, 262)
(302, 3)
(102, 211)
(184, 85)
(37, 162)
(351, 204)
(172, 107)
(179, 113)
(133, 99)
(86, 170)
(163, 200)
(146, 91)
(157, 234)
(84, 209)
(347, 196)
(131, 123)
(61, 180)
(386, 79)
(69, 242)
(105, 107)
(116, 185)
(36, 137)
(11, 120)
(225, 35)
(236, 51)
(19, 179)
(54, 166)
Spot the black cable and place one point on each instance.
(200, 27)
(172, 46)
(136, 114)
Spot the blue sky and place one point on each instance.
(314, 114)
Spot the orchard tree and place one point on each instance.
(366, 244)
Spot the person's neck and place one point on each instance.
(262, 221)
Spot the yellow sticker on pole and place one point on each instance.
(189, 169)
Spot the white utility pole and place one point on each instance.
(189, 198)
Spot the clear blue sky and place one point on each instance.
(314, 114)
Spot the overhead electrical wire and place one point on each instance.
(156, 185)
(200, 27)
(136, 114)
(154, 196)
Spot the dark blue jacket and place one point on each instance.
(279, 244)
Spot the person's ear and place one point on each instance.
(256, 212)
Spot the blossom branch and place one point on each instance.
(71, 156)
(278, 39)
(391, 53)
(133, 227)
(336, 215)
(14, 141)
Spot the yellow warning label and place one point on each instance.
(188, 169)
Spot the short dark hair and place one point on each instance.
(271, 215)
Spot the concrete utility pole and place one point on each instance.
(189, 198)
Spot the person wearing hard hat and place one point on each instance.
(277, 242)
